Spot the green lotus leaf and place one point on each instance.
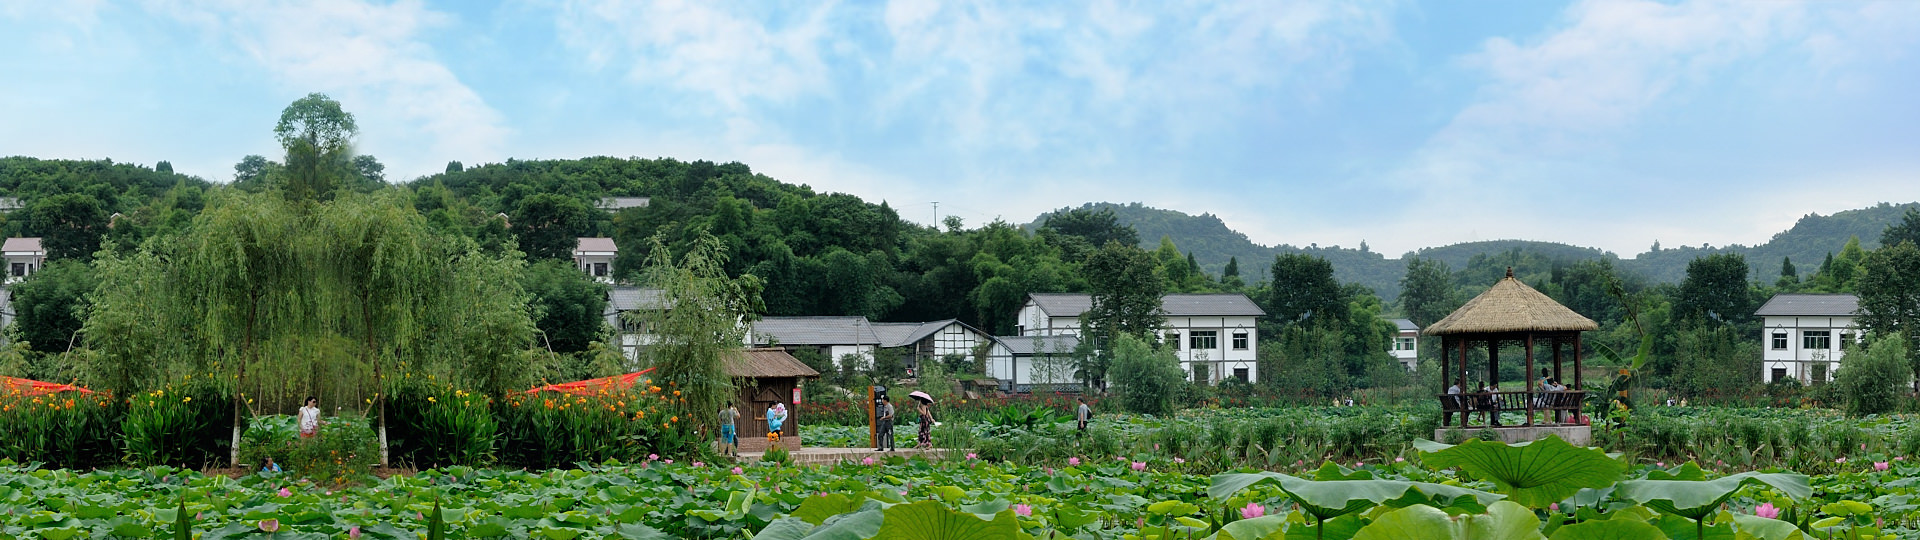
(1535, 474)
(855, 526)
(928, 520)
(818, 508)
(1504, 520)
(1260, 528)
(1759, 528)
(1611, 529)
(786, 528)
(1332, 498)
(1695, 499)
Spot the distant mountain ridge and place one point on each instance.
(1212, 242)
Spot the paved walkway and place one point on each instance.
(809, 455)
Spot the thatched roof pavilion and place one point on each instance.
(1510, 311)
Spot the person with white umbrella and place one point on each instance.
(925, 403)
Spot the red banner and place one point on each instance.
(594, 386)
(29, 387)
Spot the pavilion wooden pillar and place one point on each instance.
(1576, 363)
(1531, 398)
(1557, 418)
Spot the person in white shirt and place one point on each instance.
(1454, 402)
(310, 418)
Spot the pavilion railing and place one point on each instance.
(1552, 407)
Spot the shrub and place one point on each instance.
(549, 430)
(436, 426)
(1147, 380)
(1871, 383)
(67, 430)
(184, 425)
(344, 451)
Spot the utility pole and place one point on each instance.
(936, 214)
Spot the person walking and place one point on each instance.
(310, 418)
(883, 426)
(1083, 414)
(729, 438)
(926, 425)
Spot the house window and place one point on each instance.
(1846, 338)
(1820, 373)
(1240, 373)
(1200, 373)
(1203, 340)
(1818, 340)
(599, 269)
(1403, 344)
(1173, 340)
(1239, 341)
(19, 270)
(1779, 341)
(1778, 374)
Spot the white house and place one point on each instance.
(595, 257)
(930, 340)
(834, 336)
(1212, 334)
(1406, 344)
(628, 299)
(1025, 363)
(24, 257)
(1802, 335)
(616, 204)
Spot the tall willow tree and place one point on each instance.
(701, 325)
(326, 297)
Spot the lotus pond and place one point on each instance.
(1473, 490)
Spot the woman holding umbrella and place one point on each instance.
(925, 403)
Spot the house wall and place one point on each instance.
(1795, 358)
(1019, 372)
(1220, 361)
(1406, 349)
(595, 263)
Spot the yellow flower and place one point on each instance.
(186, 399)
(676, 392)
(430, 399)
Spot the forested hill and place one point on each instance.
(1211, 242)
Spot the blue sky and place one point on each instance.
(1403, 124)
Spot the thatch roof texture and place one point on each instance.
(1510, 306)
(767, 364)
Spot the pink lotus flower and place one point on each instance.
(1660, 464)
(285, 493)
(667, 461)
(270, 525)
(354, 532)
(736, 470)
(971, 455)
(1879, 465)
(866, 461)
(1399, 460)
(653, 457)
(1023, 510)
(1841, 460)
(1179, 460)
(697, 464)
(1252, 511)
(1139, 465)
(1555, 507)
(1766, 510)
(903, 493)
(1074, 461)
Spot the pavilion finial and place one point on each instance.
(1509, 272)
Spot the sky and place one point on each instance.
(1611, 124)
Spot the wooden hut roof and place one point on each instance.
(767, 364)
(1510, 306)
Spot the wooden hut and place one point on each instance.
(1512, 312)
(765, 377)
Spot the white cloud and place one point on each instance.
(414, 113)
(703, 47)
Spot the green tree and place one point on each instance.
(1870, 381)
(1303, 291)
(70, 225)
(1716, 290)
(1097, 227)
(1427, 292)
(701, 332)
(1890, 296)
(252, 173)
(568, 305)
(1789, 276)
(318, 137)
(1714, 361)
(455, 166)
(50, 305)
(549, 225)
(1146, 378)
(1126, 292)
(1907, 230)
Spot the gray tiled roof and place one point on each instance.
(1026, 345)
(1810, 305)
(632, 298)
(1406, 325)
(1176, 305)
(814, 331)
(594, 244)
(617, 203)
(904, 334)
